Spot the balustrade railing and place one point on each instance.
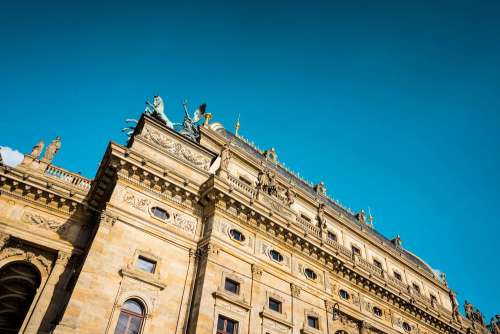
(309, 227)
(397, 283)
(64, 176)
(237, 183)
(371, 268)
(341, 249)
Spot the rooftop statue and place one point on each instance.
(157, 110)
(454, 306)
(494, 326)
(190, 127)
(52, 150)
(37, 149)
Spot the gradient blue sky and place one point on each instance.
(395, 105)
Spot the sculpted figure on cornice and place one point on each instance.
(267, 183)
(454, 306)
(52, 150)
(225, 156)
(469, 310)
(361, 217)
(37, 149)
(321, 216)
(494, 327)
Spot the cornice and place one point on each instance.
(317, 252)
(47, 195)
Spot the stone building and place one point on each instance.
(194, 230)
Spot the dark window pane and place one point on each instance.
(356, 250)
(344, 294)
(220, 324)
(133, 306)
(377, 264)
(145, 264)
(310, 274)
(275, 255)
(121, 326)
(313, 322)
(237, 235)
(232, 286)
(160, 213)
(135, 325)
(274, 305)
(332, 236)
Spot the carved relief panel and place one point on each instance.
(155, 210)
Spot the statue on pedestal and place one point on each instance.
(37, 149)
(52, 150)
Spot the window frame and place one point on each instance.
(238, 232)
(131, 315)
(313, 277)
(226, 320)
(236, 284)
(378, 264)
(280, 258)
(329, 235)
(315, 321)
(344, 291)
(146, 259)
(358, 250)
(374, 311)
(279, 303)
(397, 275)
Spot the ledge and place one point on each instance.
(276, 318)
(234, 300)
(149, 279)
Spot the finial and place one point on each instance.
(370, 217)
(237, 126)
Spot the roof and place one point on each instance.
(305, 186)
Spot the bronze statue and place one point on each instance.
(37, 149)
(52, 150)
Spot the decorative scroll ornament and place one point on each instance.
(184, 223)
(176, 149)
(140, 204)
(43, 222)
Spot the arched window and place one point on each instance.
(131, 318)
(19, 282)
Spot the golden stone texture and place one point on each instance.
(86, 237)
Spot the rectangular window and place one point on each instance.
(145, 264)
(416, 287)
(232, 286)
(397, 276)
(226, 326)
(332, 236)
(377, 264)
(246, 180)
(274, 305)
(303, 216)
(355, 250)
(313, 321)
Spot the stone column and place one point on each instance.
(46, 295)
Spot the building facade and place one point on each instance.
(197, 231)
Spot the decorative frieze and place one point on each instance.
(175, 148)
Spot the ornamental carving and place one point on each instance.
(266, 183)
(140, 204)
(30, 254)
(184, 223)
(173, 147)
(43, 222)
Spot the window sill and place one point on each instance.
(144, 277)
(277, 317)
(235, 299)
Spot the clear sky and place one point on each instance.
(394, 105)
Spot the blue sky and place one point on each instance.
(394, 105)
